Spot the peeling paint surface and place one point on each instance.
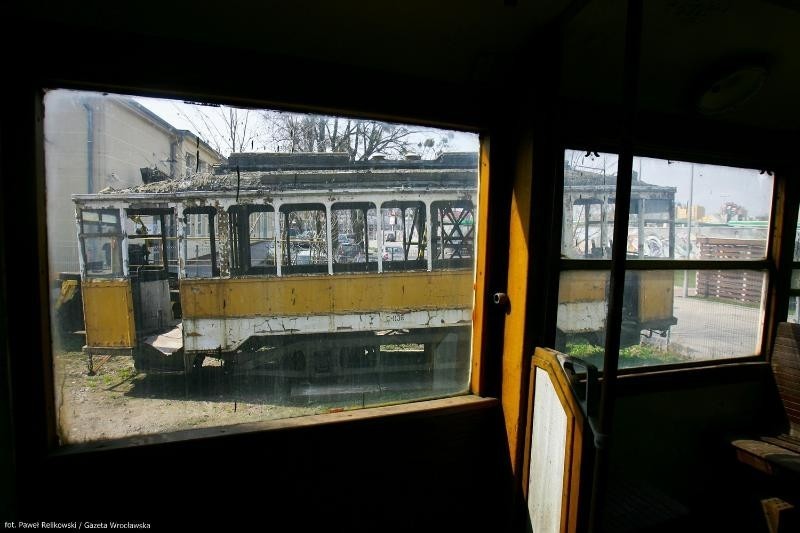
(395, 292)
(228, 334)
(108, 313)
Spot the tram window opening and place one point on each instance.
(404, 236)
(453, 233)
(200, 243)
(707, 225)
(101, 243)
(262, 239)
(152, 240)
(304, 238)
(354, 237)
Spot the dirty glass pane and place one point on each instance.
(103, 257)
(797, 241)
(99, 221)
(676, 316)
(590, 190)
(693, 211)
(267, 309)
(582, 310)
(794, 301)
(794, 310)
(795, 284)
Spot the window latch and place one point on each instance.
(501, 300)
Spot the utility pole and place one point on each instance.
(688, 234)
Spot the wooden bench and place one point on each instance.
(779, 455)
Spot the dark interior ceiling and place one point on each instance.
(495, 43)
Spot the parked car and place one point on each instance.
(350, 253)
(393, 251)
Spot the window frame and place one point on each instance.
(370, 264)
(45, 387)
(775, 274)
(118, 237)
(404, 264)
(212, 215)
(287, 267)
(245, 259)
(163, 236)
(437, 209)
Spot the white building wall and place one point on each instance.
(127, 141)
(66, 165)
(124, 140)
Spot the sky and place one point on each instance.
(186, 116)
(713, 185)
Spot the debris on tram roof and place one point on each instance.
(324, 171)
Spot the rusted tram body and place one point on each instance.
(300, 267)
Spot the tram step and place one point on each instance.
(167, 343)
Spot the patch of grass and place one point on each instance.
(110, 377)
(650, 354)
(584, 350)
(117, 376)
(636, 355)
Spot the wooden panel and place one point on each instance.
(737, 285)
(786, 369)
(546, 367)
(478, 316)
(439, 467)
(323, 295)
(717, 248)
(582, 286)
(108, 314)
(548, 446)
(785, 359)
(515, 351)
(656, 295)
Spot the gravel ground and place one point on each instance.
(119, 402)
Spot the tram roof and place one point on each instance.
(587, 181)
(325, 171)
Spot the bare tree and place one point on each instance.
(226, 129)
(433, 147)
(361, 139)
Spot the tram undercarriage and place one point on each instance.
(315, 364)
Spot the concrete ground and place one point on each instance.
(709, 329)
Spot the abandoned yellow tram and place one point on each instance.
(296, 266)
